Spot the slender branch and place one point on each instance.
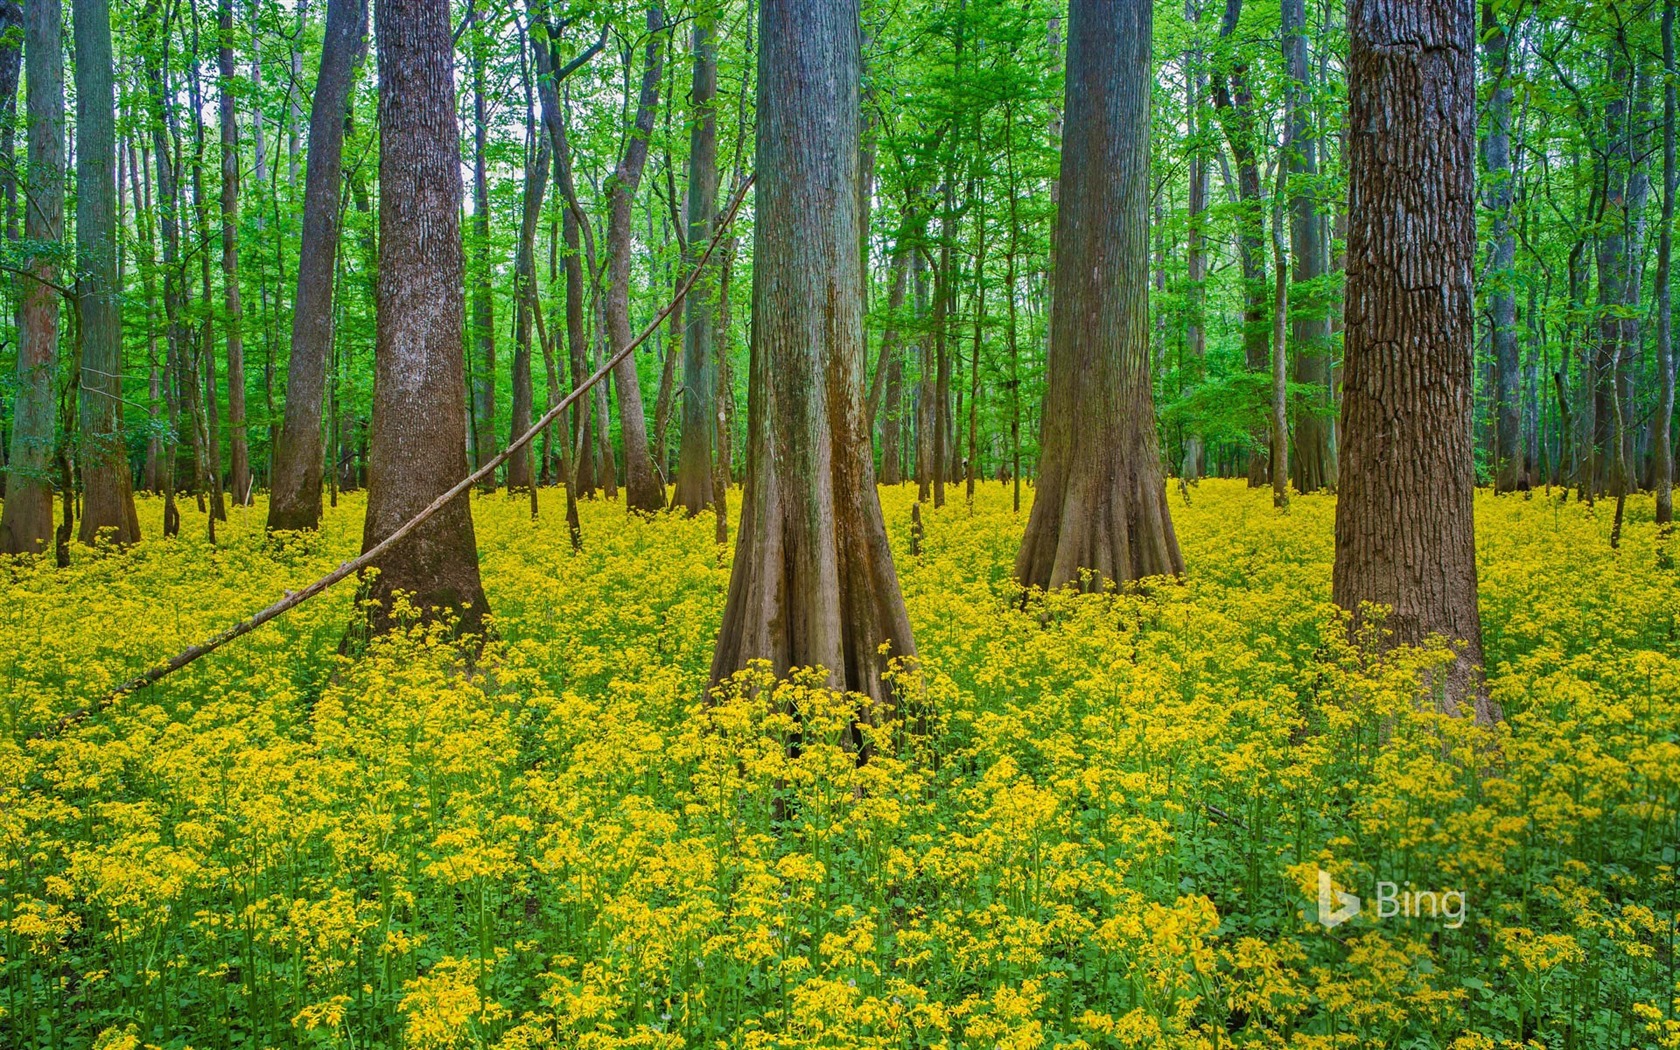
(295, 598)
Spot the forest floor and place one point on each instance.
(1102, 825)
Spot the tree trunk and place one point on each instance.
(1234, 102)
(643, 490)
(1309, 328)
(699, 407)
(1404, 524)
(418, 446)
(1662, 439)
(26, 520)
(1509, 469)
(483, 302)
(1195, 335)
(1101, 513)
(295, 475)
(520, 474)
(813, 583)
(239, 472)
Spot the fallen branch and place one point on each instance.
(295, 598)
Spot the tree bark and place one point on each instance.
(699, 407)
(520, 475)
(483, 302)
(1309, 327)
(643, 490)
(1101, 515)
(813, 583)
(1662, 437)
(417, 449)
(1404, 524)
(1510, 471)
(295, 476)
(26, 520)
(239, 470)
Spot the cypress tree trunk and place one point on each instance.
(1102, 502)
(295, 478)
(643, 490)
(813, 583)
(107, 488)
(1309, 328)
(483, 303)
(1510, 471)
(239, 472)
(519, 467)
(26, 520)
(1404, 525)
(417, 449)
(1662, 437)
(699, 408)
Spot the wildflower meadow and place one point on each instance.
(1100, 821)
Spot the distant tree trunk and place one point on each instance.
(888, 379)
(520, 474)
(699, 408)
(924, 393)
(210, 425)
(295, 476)
(483, 302)
(11, 68)
(1195, 335)
(26, 520)
(418, 446)
(1662, 438)
(643, 490)
(239, 473)
(1309, 328)
(1509, 468)
(1404, 524)
(1615, 174)
(107, 489)
(813, 583)
(1234, 102)
(1102, 502)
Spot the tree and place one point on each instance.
(643, 491)
(1404, 526)
(26, 520)
(813, 583)
(239, 474)
(295, 475)
(699, 409)
(417, 449)
(1309, 329)
(107, 488)
(483, 303)
(1662, 439)
(1509, 469)
(1101, 503)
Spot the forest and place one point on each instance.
(838, 523)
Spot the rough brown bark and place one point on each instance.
(1404, 525)
(699, 406)
(643, 491)
(295, 477)
(26, 520)
(417, 450)
(1101, 504)
(813, 583)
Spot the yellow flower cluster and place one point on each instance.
(1104, 826)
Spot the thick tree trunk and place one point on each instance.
(699, 407)
(1195, 335)
(643, 490)
(1662, 438)
(107, 488)
(1510, 471)
(239, 472)
(1309, 327)
(26, 521)
(418, 446)
(295, 476)
(1101, 515)
(813, 583)
(1404, 524)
